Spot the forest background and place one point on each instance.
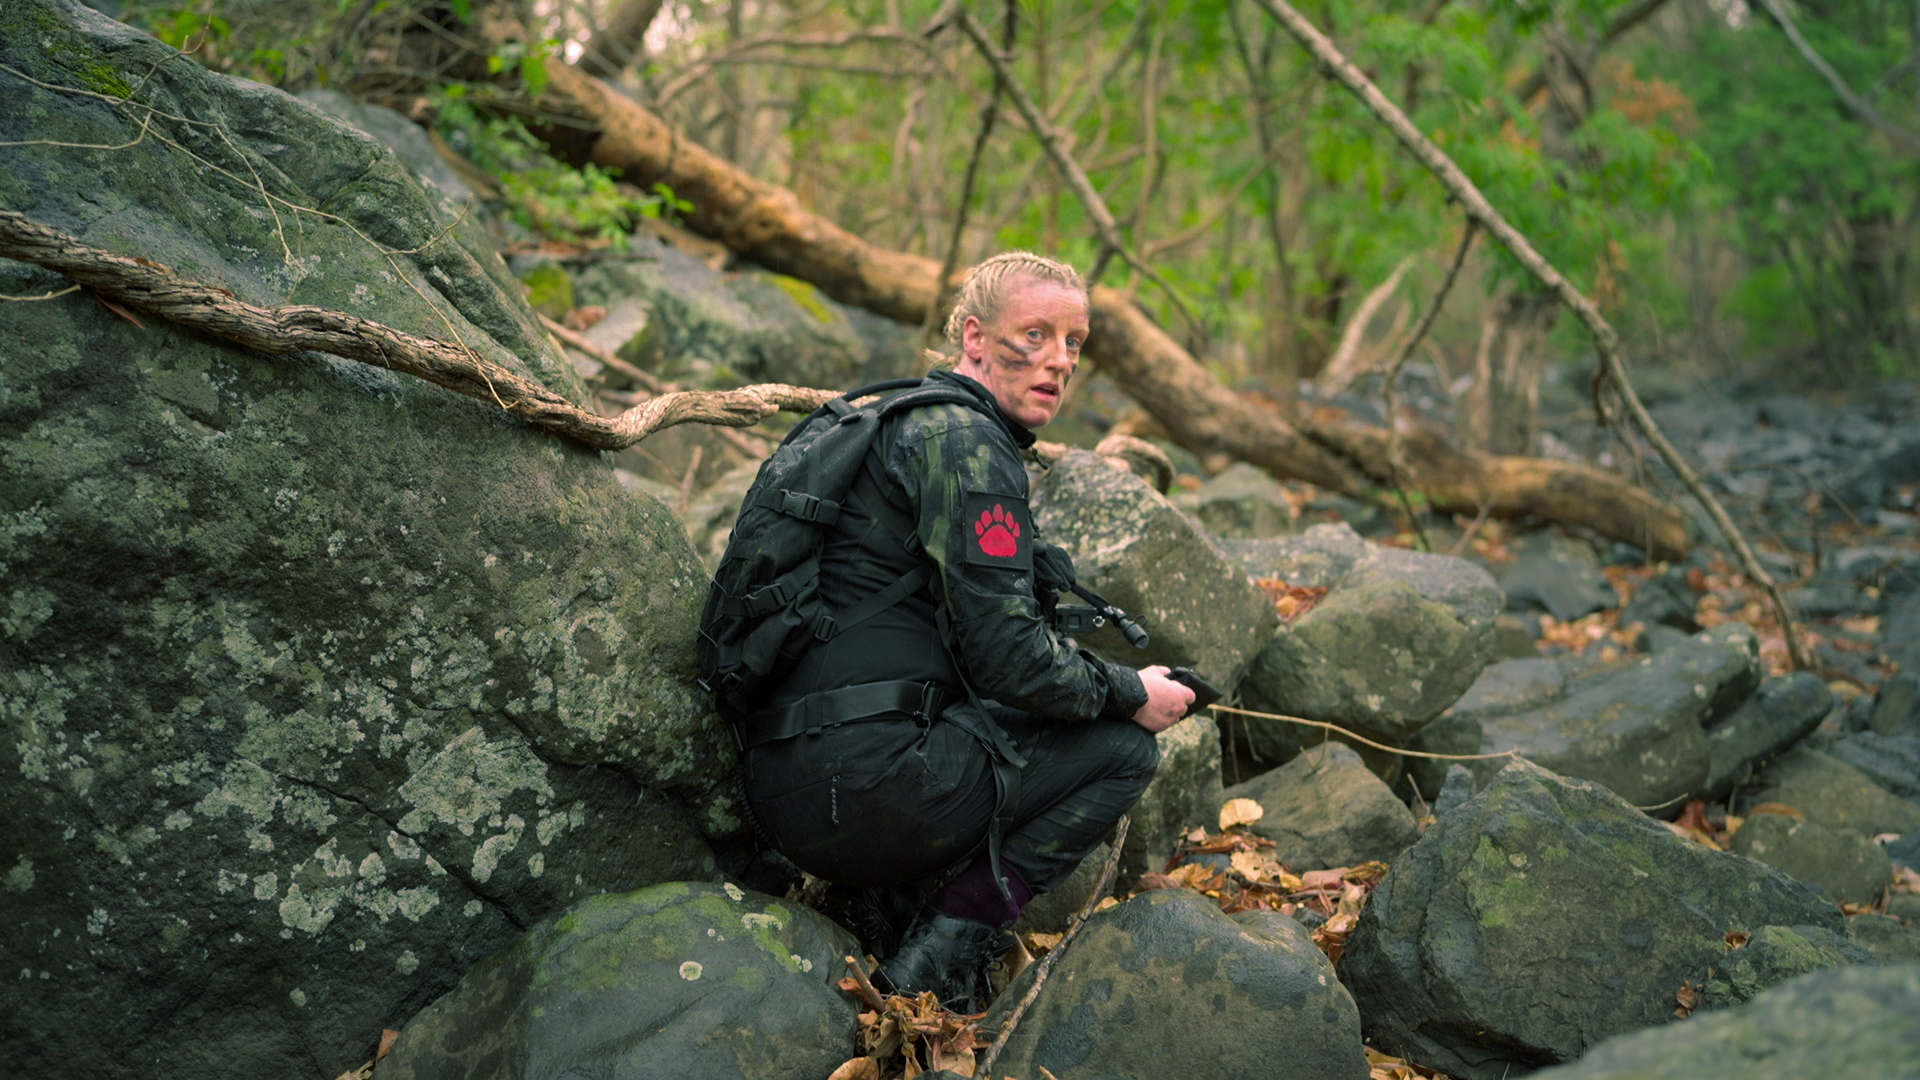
(1735, 211)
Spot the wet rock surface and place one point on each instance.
(1131, 545)
(1545, 915)
(674, 980)
(1165, 984)
(1398, 636)
(1844, 1022)
(1326, 809)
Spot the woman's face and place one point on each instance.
(1028, 354)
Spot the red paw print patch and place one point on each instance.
(998, 530)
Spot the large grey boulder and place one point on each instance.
(1504, 688)
(680, 979)
(1184, 793)
(1636, 729)
(1855, 1021)
(746, 326)
(1848, 867)
(1833, 793)
(1398, 636)
(1134, 547)
(318, 683)
(1243, 503)
(1892, 761)
(1326, 809)
(1556, 575)
(1783, 711)
(1166, 985)
(1545, 914)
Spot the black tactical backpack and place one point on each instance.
(765, 611)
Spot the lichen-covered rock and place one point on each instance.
(1848, 867)
(1326, 809)
(1833, 793)
(1636, 729)
(1243, 502)
(1892, 761)
(1166, 985)
(1545, 914)
(744, 327)
(685, 980)
(317, 683)
(1135, 548)
(1398, 636)
(1844, 1022)
(1784, 710)
(1184, 793)
(710, 516)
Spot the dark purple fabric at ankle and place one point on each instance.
(973, 895)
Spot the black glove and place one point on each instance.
(1052, 575)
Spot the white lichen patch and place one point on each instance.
(469, 781)
(406, 963)
(98, 921)
(486, 858)
(417, 901)
(265, 886)
(299, 997)
(754, 920)
(734, 892)
(690, 970)
(373, 870)
(471, 908)
(177, 820)
(310, 914)
(20, 878)
(537, 864)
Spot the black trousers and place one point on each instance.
(889, 802)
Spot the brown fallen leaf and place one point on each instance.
(1737, 939)
(860, 1068)
(1240, 812)
(387, 1037)
(1689, 998)
(119, 310)
(1777, 808)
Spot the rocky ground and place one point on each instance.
(334, 704)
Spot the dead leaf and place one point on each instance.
(1257, 866)
(387, 1036)
(1240, 812)
(119, 310)
(860, 1068)
(584, 318)
(1737, 939)
(1689, 998)
(1777, 808)
(1324, 879)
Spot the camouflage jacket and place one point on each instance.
(957, 473)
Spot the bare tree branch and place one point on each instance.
(1053, 142)
(1860, 107)
(1605, 338)
(1346, 364)
(989, 116)
(148, 286)
(616, 45)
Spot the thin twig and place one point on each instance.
(989, 116)
(1858, 105)
(632, 371)
(1606, 340)
(1396, 464)
(867, 993)
(1323, 725)
(1055, 145)
(1107, 873)
(56, 294)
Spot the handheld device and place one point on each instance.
(1204, 692)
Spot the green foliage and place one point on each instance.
(541, 193)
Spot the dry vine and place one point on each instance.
(148, 286)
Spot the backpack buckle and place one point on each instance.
(796, 504)
(824, 628)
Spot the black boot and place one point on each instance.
(947, 955)
(878, 916)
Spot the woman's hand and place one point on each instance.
(1167, 701)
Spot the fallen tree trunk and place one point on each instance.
(766, 223)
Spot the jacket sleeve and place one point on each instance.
(966, 484)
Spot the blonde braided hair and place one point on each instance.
(986, 288)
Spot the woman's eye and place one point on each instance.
(1033, 335)
(1073, 343)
